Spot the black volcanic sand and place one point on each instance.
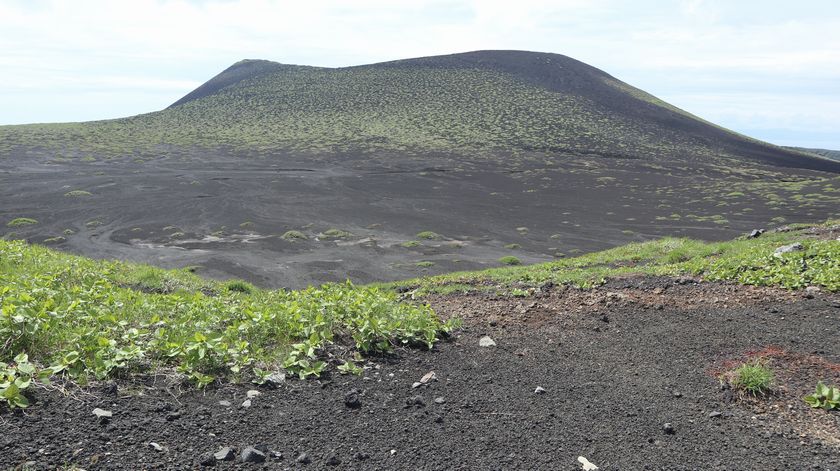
(616, 363)
(225, 214)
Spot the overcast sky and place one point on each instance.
(769, 69)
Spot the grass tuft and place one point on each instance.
(753, 378)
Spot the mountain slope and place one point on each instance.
(236, 73)
(827, 153)
(478, 104)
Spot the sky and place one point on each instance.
(769, 69)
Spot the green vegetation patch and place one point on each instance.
(336, 234)
(510, 260)
(428, 235)
(292, 236)
(18, 222)
(77, 193)
(824, 397)
(753, 378)
(746, 261)
(91, 320)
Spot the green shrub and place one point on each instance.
(239, 286)
(17, 222)
(513, 246)
(428, 235)
(425, 264)
(510, 260)
(410, 244)
(292, 236)
(336, 234)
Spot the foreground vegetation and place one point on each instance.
(90, 320)
(81, 319)
(747, 260)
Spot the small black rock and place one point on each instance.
(207, 459)
(333, 461)
(669, 429)
(360, 456)
(351, 399)
(605, 318)
(415, 401)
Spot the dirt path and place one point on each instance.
(616, 364)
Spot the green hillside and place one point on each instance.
(499, 103)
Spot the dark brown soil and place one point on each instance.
(616, 363)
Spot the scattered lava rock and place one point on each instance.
(795, 247)
(225, 454)
(103, 415)
(415, 401)
(303, 458)
(252, 455)
(486, 341)
(207, 459)
(352, 400)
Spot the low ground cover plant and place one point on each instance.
(90, 320)
(824, 397)
(293, 235)
(428, 235)
(749, 261)
(78, 193)
(17, 222)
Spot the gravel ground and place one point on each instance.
(627, 378)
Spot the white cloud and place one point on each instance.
(163, 48)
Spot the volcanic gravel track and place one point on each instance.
(617, 363)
